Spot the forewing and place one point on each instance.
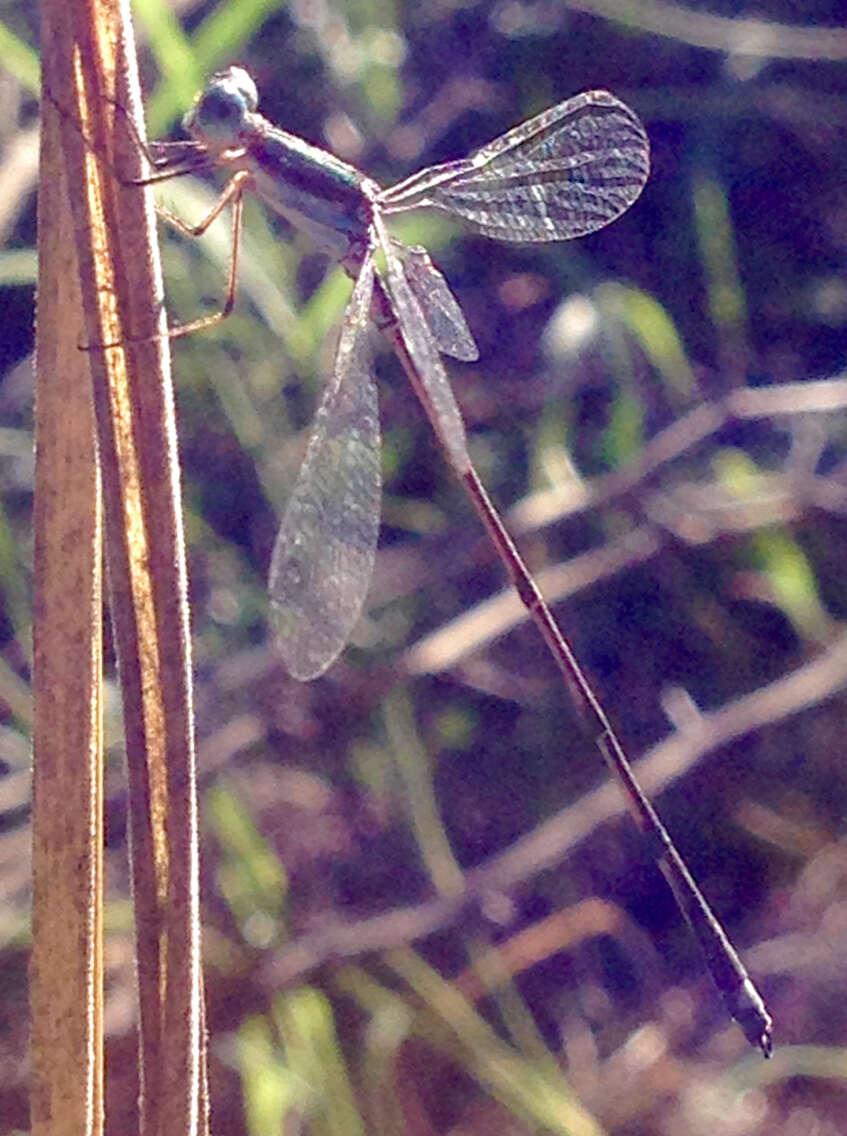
(324, 553)
(569, 171)
(440, 307)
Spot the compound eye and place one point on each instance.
(221, 110)
(221, 107)
(242, 82)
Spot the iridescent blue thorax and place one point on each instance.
(318, 193)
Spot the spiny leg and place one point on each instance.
(232, 193)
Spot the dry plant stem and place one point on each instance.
(740, 995)
(66, 991)
(121, 299)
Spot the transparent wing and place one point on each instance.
(324, 553)
(568, 171)
(445, 318)
(424, 352)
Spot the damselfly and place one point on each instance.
(566, 172)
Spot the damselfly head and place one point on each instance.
(222, 108)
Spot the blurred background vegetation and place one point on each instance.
(699, 571)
